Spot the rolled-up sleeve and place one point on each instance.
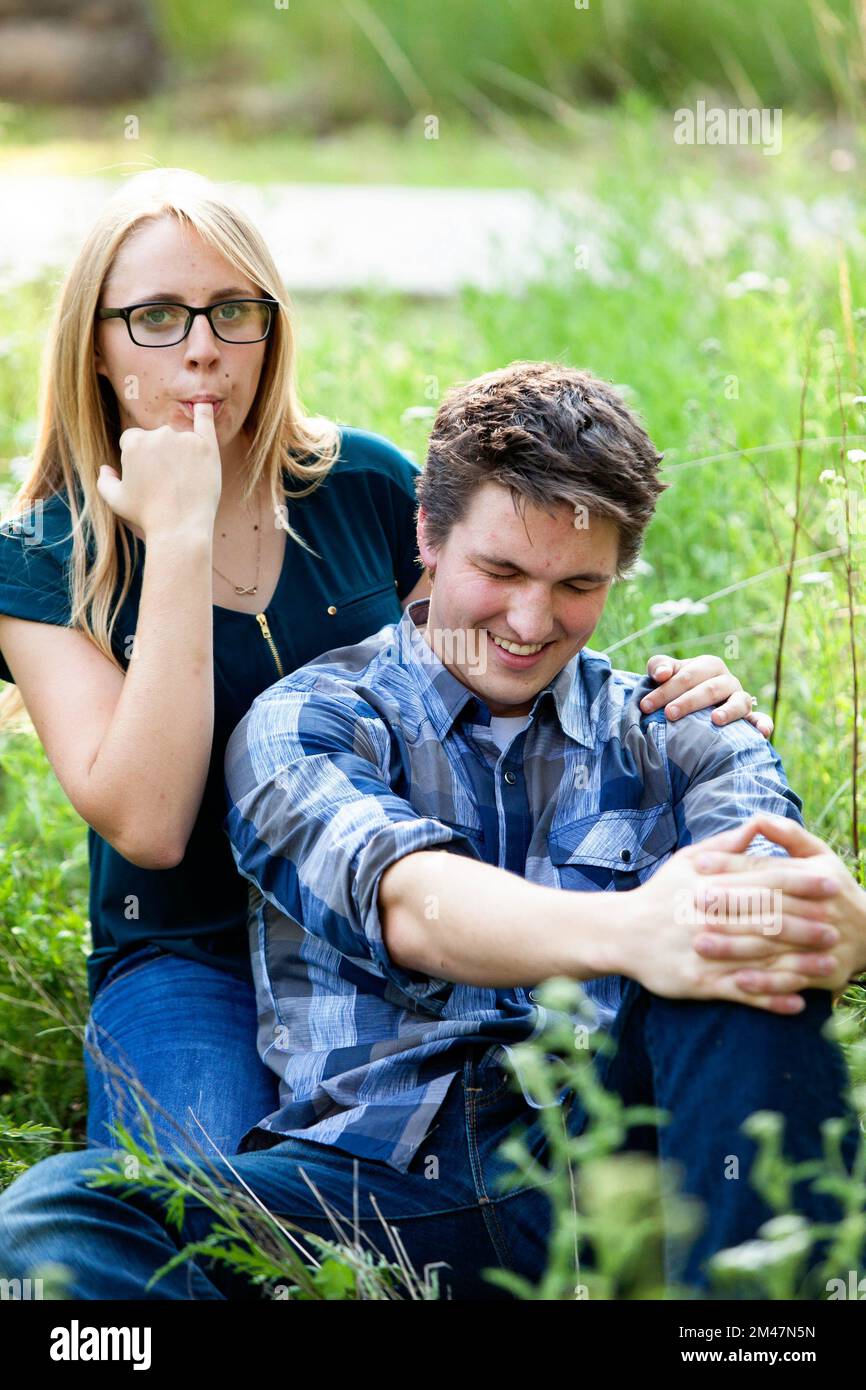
(721, 777)
(314, 822)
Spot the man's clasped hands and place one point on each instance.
(762, 925)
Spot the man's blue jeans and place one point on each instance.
(709, 1064)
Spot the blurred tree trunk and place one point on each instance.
(78, 51)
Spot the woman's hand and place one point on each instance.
(707, 681)
(171, 480)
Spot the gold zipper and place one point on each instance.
(266, 633)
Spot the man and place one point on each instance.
(408, 811)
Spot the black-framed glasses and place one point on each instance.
(156, 324)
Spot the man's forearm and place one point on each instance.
(454, 918)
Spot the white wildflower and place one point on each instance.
(640, 567)
(754, 280)
(842, 161)
(676, 607)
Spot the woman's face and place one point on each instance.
(162, 259)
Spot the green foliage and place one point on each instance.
(22, 1145)
(43, 994)
(355, 58)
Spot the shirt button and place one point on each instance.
(332, 610)
(510, 778)
(625, 855)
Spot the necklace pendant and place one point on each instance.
(246, 589)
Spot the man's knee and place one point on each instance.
(818, 1009)
(49, 1178)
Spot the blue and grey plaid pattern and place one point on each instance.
(372, 752)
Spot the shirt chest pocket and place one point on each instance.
(613, 850)
(350, 617)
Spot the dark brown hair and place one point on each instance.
(552, 434)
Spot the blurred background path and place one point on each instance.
(423, 241)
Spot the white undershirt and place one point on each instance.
(504, 727)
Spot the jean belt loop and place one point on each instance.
(471, 1080)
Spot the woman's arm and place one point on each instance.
(130, 751)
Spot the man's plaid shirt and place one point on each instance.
(374, 751)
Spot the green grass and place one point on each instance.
(43, 995)
(594, 147)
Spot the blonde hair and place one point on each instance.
(78, 414)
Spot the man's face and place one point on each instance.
(535, 581)
(163, 258)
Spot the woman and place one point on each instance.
(143, 608)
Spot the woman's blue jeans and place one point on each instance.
(180, 1036)
(709, 1064)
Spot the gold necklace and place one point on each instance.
(247, 588)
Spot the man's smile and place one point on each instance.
(515, 655)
